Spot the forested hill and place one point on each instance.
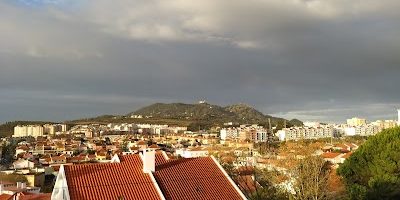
(240, 113)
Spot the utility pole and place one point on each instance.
(270, 132)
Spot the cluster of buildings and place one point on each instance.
(75, 162)
(39, 130)
(354, 126)
(254, 133)
(104, 163)
(20, 191)
(95, 130)
(145, 161)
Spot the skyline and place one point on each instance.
(310, 60)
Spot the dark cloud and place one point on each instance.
(313, 60)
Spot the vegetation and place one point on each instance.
(267, 186)
(8, 152)
(373, 170)
(13, 178)
(209, 114)
(311, 179)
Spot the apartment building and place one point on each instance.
(29, 130)
(297, 133)
(356, 121)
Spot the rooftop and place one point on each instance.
(194, 178)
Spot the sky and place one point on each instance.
(314, 60)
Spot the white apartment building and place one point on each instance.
(398, 117)
(52, 129)
(260, 135)
(366, 130)
(245, 132)
(229, 133)
(192, 152)
(296, 133)
(30, 130)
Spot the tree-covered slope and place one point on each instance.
(246, 112)
(210, 114)
(185, 111)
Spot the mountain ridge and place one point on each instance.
(238, 113)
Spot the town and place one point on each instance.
(44, 156)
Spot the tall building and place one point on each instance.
(49, 129)
(385, 124)
(356, 121)
(398, 117)
(297, 133)
(30, 130)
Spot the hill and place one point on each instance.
(247, 113)
(210, 114)
(185, 112)
(194, 116)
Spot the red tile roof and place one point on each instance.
(160, 159)
(110, 180)
(154, 146)
(32, 196)
(5, 197)
(194, 178)
(330, 155)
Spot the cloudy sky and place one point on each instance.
(323, 60)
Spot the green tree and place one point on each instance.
(8, 152)
(373, 170)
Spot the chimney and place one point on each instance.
(149, 160)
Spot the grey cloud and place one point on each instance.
(311, 60)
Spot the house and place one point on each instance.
(334, 158)
(23, 164)
(12, 188)
(58, 160)
(68, 151)
(192, 152)
(148, 175)
(102, 155)
(132, 150)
